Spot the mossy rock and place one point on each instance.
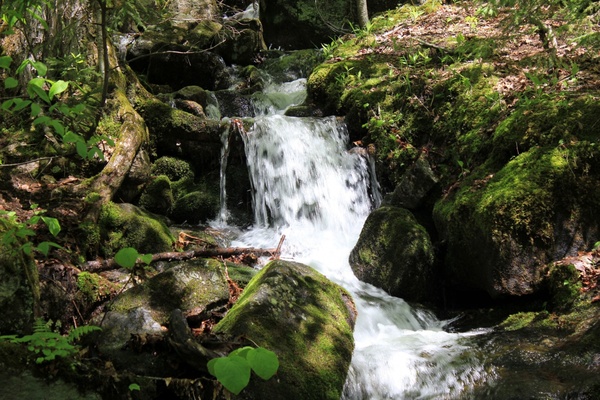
(394, 252)
(192, 285)
(307, 320)
(174, 168)
(158, 196)
(503, 227)
(125, 225)
(195, 207)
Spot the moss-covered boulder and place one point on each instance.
(125, 225)
(502, 228)
(174, 168)
(177, 133)
(306, 320)
(195, 287)
(195, 207)
(394, 252)
(158, 196)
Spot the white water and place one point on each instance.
(309, 188)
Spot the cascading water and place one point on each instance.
(309, 188)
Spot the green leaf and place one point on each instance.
(127, 257)
(72, 137)
(10, 83)
(57, 88)
(5, 62)
(20, 104)
(44, 119)
(82, 149)
(6, 105)
(35, 109)
(146, 258)
(58, 126)
(40, 68)
(35, 87)
(263, 362)
(52, 224)
(95, 151)
(233, 372)
(242, 351)
(210, 365)
(134, 386)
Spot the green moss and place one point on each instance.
(93, 286)
(124, 225)
(296, 312)
(518, 201)
(564, 285)
(546, 120)
(198, 206)
(174, 168)
(157, 197)
(522, 320)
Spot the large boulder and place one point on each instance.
(394, 252)
(306, 320)
(142, 312)
(502, 229)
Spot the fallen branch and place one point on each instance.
(106, 265)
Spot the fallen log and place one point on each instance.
(109, 264)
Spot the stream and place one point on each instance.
(310, 188)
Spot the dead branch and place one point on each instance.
(109, 264)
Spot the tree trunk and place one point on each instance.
(363, 13)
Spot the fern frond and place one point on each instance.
(78, 332)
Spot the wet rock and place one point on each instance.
(140, 314)
(414, 186)
(306, 320)
(503, 228)
(394, 252)
(125, 225)
(242, 41)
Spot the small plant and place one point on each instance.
(234, 370)
(48, 344)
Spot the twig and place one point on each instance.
(105, 265)
(25, 162)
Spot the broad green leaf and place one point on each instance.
(44, 119)
(72, 137)
(10, 83)
(127, 257)
(21, 104)
(210, 365)
(82, 149)
(134, 386)
(263, 362)
(27, 247)
(52, 224)
(95, 151)
(40, 67)
(58, 126)
(6, 105)
(35, 87)
(233, 372)
(57, 88)
(5, 62)
(242, 351)
(146, 258)
(44, 247)
(24, 232)
(35, 109)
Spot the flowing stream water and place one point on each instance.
(308, 187)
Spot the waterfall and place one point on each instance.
(307, 186)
